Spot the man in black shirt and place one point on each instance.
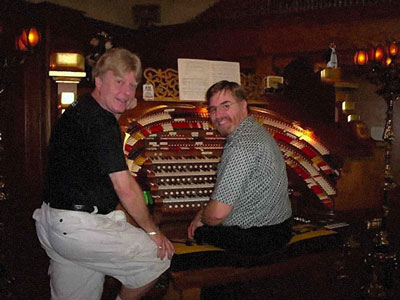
(87, 177)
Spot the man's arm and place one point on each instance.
(132, 199)
(215, 213)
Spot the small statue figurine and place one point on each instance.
(333, 62)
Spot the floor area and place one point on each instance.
(23, 272)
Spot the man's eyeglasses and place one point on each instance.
(212, 110)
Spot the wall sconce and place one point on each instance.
(24, 45)
(28, 39)
(361, 58)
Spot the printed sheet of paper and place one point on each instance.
(197, 75)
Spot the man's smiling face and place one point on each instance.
(116, 91)
(226, 113)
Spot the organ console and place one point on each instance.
(173, 151)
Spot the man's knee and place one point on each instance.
(134, 293)
(71, 281)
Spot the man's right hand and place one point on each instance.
(164, 245)
(196, 222)
(132, 200)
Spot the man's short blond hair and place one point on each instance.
(120, 61)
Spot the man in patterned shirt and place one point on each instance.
(249, 210)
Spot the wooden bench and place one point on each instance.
(187, 279)
(187, 285)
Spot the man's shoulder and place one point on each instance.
(253, 135)
(88, 108)
(86, 101)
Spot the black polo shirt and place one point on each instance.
(85, 147)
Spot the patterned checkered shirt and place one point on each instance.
(252, 178)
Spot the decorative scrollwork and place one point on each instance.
(165, 83)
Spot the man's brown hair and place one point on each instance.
(238, 93)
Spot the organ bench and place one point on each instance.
(188, 284)
(311, 250)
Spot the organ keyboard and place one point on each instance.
(174, 152)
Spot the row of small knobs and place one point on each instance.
(187, 193)
(186, 180)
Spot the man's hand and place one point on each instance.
(132, 200)
(165, 247)
(196, 222)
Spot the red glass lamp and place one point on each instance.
(361, 58)
(28, 39)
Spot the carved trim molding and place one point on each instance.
(166, 84)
